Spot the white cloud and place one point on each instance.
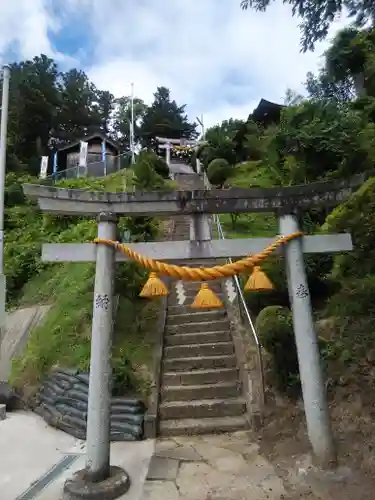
(193, 46)
(213, 56)
(25, 27)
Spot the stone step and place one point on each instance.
(199, 363)
(195, 317)
(204, 408)
(194, 427)
(221, 390)
(174, 309)
(202, 326)
(208, 376)
(197, 338)
(195, 350)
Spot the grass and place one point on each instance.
(64, 337)
(249, 174)
(249, 225)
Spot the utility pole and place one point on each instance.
(132, 124)
(3, 147)
(200, 121)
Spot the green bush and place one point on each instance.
(155, 162)
(145, 177)
(274, 325)
(357, 216)
(218, 171)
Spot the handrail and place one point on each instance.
(219, 227)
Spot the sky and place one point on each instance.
(215, 58)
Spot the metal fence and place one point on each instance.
(92, 169)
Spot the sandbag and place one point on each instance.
(71, 372)
(47, 400)
(63, 384)
(79, 395)
(41, 411)
(119, 436)
(61, 375)
(126, 417)
(132, 410)
(46, 391)
(123, 401)
(80, 423)
(75, 403)
(81, 387)
(54, 387)
(83, 377)
(125, 427)
(50, 414)
(70, 410)
(73, 431)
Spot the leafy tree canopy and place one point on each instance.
(318, 15)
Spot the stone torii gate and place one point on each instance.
(106, 207)
(167, 144)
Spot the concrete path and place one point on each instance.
(36, 459)
(222, 467)
(18, 326)
(181, 168)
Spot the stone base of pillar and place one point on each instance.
(81, 487)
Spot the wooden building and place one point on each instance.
(265, 114)
(102, 157)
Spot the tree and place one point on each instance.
(165, 118)
(318, 15)
(78, 114)
(351, 59)
(323, 86)
(103, 109)
(33, 104)
(219, 142)
(349, 69)
(122, 119)
(317, 140)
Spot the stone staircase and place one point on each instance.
(200, 387)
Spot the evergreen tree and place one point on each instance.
(164, 118)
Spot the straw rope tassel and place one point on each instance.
(258, 281)
(154, 287)
(206, 299)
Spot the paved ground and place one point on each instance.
(225, 467)
(33, 455)
(233, 467)
(35, 461)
